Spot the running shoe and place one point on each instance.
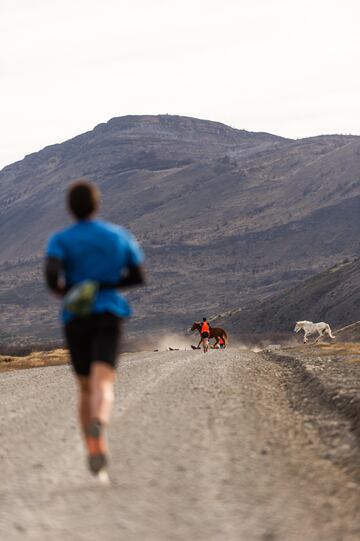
(97, 459)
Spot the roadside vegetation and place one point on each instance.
(35, 359)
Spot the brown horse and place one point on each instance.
(215, 332)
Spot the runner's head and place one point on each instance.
(204, 318)
(83, 199)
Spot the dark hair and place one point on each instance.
(83, 198)
(204, 318)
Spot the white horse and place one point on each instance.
(322, 329)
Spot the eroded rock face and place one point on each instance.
(234, 210)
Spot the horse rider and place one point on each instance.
(204, 333)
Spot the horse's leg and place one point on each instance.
(305, 337)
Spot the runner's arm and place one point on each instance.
(54, 280)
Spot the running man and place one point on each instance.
(92, 258)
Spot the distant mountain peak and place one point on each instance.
(180, 125)
(249, 214)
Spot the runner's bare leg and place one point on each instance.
(101, 387)
(84, 402)
(101, 383)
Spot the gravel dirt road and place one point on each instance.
(204, 447)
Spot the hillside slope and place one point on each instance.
(332, 296)
(224, 215)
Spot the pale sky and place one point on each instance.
(289, 67)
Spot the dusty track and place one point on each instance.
(203, 448)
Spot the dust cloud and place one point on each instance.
(175, 341)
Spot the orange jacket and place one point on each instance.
(205, 327)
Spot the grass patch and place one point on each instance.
(35, 359)
(349, 350)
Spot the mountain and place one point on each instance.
(224, 215)
(332, 296)
(349, 333)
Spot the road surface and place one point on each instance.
(204, 447)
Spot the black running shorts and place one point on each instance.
(93, 338)
(205, 334)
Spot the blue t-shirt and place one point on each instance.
(99, 251)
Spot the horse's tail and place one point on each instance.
(329, 332)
